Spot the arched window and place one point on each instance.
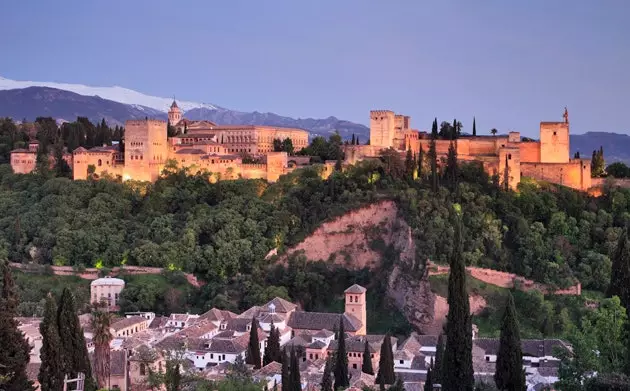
(100, 162)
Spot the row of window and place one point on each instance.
(135, 144)
(356, 299)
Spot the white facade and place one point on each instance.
(106, 289)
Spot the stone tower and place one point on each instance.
(554, 141)
(382, 128)
(356, 306)
(146, 151)
(174, 114)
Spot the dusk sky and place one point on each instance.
(510, 63)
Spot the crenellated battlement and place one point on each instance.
(381, 112)
(140, 122)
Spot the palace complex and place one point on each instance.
(547, 159)
(205, 146)
(199, 146)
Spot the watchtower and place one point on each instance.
(356, 306)
(145, 149)
(174, 114)
(382, 128)
(554, 141)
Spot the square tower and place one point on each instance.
(382, 128)
(356, 306)
(554, 142)
(146, 149)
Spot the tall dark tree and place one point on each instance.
(458, 353)
(74, 354)
(341, 359)
(474, 130)
(173, 376)
(439, 360)
(366, 367)
(432, 155)
(428, 382)
(294, 372)
(253, 347)
(286, 372)
(386, 373)
(410, 165)
(272, 351)
(14, 349)
(62, 169)
(620, 271)
(171, 131)
(327, 380)
(420, 162)
(101, 324)
(509, 374)
(277, 145)
(354, 140)
(287, 146)
(50, 372)
(451, 171)
(506, 175)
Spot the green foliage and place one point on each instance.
(14, 354)
(341, 359)
(608, 382)
(620, 277)
(386, 373)
(618, 170)
(509, 374)
(295, 383)
(74, 355)
(253, 347)
(598, 345)
(598, 163)
(272, 350)
(50, 372)
(458, 352)
(439, 360)
(327, 379)
(366, 366)
(173, 376)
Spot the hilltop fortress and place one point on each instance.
(219, 150)
(198, 146)
(547, 159)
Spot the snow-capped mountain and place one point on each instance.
(115, 93)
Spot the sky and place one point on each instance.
(511, 64)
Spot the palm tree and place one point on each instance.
(101, 322)
(493, 131)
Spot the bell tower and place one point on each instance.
(356, 306)
(174, 114)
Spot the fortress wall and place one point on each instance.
(254, 171)
(530, 152)
(463, 147)
(486, 145)
(575, 173)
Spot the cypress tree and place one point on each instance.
(14, 349)
(358, 142)
(428, 383)
(272, 351)
(457, 369)
(439, 359)
(50, 372)
(341, 359)
(386, 373)
(620, 271)
(420, 162)
(173, 376)
(294, 372)
(451, 171)
(509, 374)
(327, 381)
(366, 367)
(74, 354)
(410, 165)
(454, 130)
(474, 131)
(354, 140)
(433, 157)
(286, 380)
(253, 347)
(506, 175)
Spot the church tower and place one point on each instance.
(174, 114)
(356, 306)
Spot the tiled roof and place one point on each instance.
(323, 334)
(317, 345)
(271, 318)
(127, 322)
(190, 151)
(531, 347)
(227, 334)
(251, 313)
(356, 343)
(216, 314)
(199, 329)
(322, 320)
(238, 324)
(273, 368)
(356, 288)
(174, 104)
(225, 346)
(281, 305)
(158, 322)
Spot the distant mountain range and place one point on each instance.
(28, 99)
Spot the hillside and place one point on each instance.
(616, 146)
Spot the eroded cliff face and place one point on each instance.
(359, 239)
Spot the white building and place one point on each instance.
(107, 290)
